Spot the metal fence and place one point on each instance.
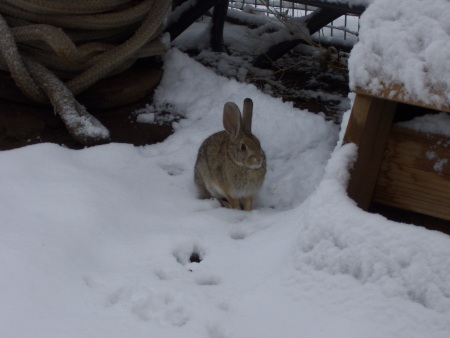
(345, 28)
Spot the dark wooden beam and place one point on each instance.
(320, 18)
(189, 16)
(368, 127)
(218, 20)
(357, 10)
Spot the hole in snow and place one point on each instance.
(195, 258)
(188, 254)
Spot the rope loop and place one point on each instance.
(46, 42)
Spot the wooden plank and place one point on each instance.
(369, 126)
(414, 190)
(419, 150)
(396, 92)
(415, 173)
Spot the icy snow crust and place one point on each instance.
(97, 242)
(404, 42)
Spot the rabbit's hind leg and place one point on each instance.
(224, 203)
(203, 192)
(233, 203)
(248, 203)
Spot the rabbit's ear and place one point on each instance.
(247, 115)
(232, 119)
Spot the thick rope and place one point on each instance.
(80, 41)
(67, 6)
(83, 127)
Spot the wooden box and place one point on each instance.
(397, 166)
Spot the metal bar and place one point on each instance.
(345, 25)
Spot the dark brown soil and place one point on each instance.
(22, 125)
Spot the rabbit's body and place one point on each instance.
(231, 165)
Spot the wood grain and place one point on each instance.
(415, 173)
(369, 126)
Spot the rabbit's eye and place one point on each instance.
(243, 147)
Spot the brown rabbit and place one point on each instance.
(231, 165)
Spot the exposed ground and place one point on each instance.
(308, 85)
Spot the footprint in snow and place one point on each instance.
(207, 280)
(238, 234)
(173, 169)
(151, 305)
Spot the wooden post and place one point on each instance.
(369, 127)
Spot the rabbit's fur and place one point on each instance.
(231, 165)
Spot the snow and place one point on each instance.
(404, 42)
(430, 123)
(439, 163)
(97, 242)
(343, 2)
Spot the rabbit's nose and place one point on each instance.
(259, 158)
(255, 161)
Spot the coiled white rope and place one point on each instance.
(43, 42)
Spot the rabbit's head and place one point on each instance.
(243, 148)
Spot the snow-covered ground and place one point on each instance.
(97, 242)
(244, 44)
